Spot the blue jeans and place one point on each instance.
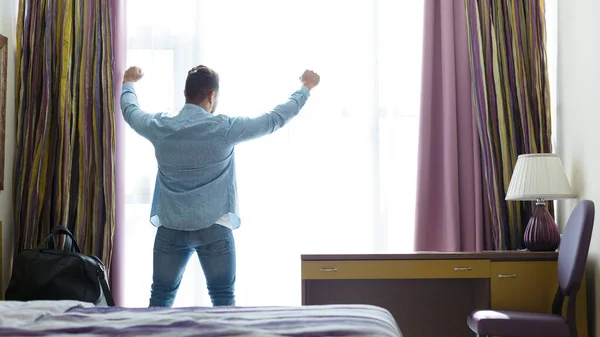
(215, 247)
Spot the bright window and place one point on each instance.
(340, 178)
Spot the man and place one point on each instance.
(195, 199)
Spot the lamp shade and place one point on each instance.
(539, 176)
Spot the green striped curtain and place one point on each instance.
(511, 100)
(64, 162)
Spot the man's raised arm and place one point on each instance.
(133, 115)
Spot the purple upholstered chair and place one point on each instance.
(572, 257)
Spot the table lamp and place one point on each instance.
(540, 177)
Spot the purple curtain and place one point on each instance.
(449, 212)
(119, 34)
(64, 156)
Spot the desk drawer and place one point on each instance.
(524, 286)
(395, 269)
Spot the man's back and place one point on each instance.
(195, 169)
(191, 146)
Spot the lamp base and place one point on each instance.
(541, 233)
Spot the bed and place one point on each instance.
(72, 318)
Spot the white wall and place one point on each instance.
(579, 119)
(8, 12)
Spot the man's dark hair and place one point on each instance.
(201, 80)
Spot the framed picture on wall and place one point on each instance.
(3, 98)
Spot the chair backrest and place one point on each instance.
(574, 247)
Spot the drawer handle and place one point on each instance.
(507, 275)
(328, 270)
(463, 269)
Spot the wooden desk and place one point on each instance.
(430, 294)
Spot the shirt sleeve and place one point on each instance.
(133, 115)
(241, 129)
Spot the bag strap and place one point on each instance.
(62, 230)
(54, 244)
(101, 274)
(105, 288)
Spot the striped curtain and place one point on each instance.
(511, 100)
(64, 162)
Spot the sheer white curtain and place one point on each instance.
(340, 178)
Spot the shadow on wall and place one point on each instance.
(566, 206)
(592, 267)
(576, 181)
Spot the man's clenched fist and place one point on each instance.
(133, 74)
(310, 79)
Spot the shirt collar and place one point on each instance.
(195, 108)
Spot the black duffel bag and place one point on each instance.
(59, 274)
